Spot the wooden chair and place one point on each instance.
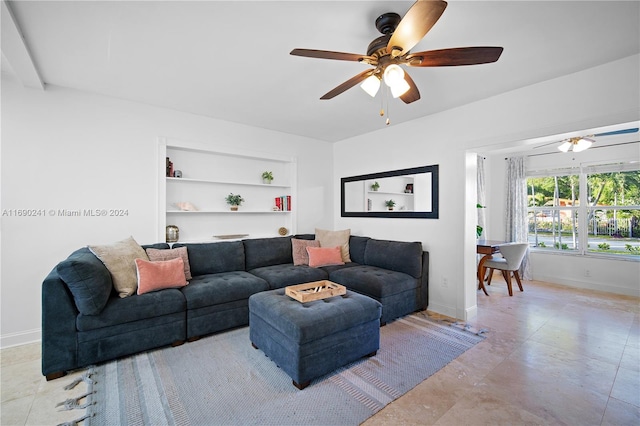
(512, 255)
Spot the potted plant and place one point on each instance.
(267, 177)
(390, 204)
(375, 186)
(479, 228)
(234, 201)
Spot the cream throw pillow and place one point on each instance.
(120, 260)
(335, 238)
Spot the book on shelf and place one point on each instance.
(283, 203)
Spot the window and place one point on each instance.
(594, 209)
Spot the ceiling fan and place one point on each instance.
(580, 143)
(387, 52)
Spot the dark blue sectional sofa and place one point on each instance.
(224, 274)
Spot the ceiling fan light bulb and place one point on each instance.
(399, 88)
(565, 146)
(371, 85)
(393, 74)
(581, 145)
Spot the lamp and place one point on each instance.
(394, 78)
(371, 85)
(575, 144)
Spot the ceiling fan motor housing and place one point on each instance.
(388, 22)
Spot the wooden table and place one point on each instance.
(488, 248)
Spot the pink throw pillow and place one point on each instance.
(299, 250)
(167, 254)
(154, 276)
(324, 256)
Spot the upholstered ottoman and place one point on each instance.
(308, 340)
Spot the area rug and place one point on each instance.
(223, 380)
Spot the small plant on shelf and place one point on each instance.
(375, 186)
(390, 204)
(234, 200)
(267, 177)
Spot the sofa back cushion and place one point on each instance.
(214, 258)
(357, 246)
(397, 256)
(262, 252)
(88, 280)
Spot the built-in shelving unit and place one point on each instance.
(208, 176)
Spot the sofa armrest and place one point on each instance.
(59, 315)
(424, 281)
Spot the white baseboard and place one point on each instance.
(589, 285)
(471, 313)
(21, 338)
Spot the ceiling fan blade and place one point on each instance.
(415, 24)
(413, 94)
(454, 57)
(326, 54)
(618, 132)
(347, 84)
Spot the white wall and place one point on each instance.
(595, 97)
(613, 275)
(63, 149)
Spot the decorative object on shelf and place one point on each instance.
(173, 233)
(234, 201)
(409, 188)
(186, 206)
(231, 236)
(267, 177)
(283, 231)
(375, 186)
(169, 168)
(177, 173)
(390, 204)
(276, 209)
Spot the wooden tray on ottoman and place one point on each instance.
(315, 290)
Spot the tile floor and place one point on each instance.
(553, 355)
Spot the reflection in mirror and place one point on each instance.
(407, 193)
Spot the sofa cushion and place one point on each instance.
(88, 280)
(279, 276)
(262, 252)
(215, 258)
(357, 246)
(119, 258)
(395, 255)
(324, 256)
(135, 308)
(154, 276)
(216, 289)
(156, 255)
(299, 250)
(373, 281)
(335, 238)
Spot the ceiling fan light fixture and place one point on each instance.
(371, 85)
(565, 147)
(581, 145)
(399, 88)
(393, 74)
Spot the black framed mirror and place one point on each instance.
(405, 193)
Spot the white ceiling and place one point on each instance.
(230, 59)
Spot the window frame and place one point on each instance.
(583, 208)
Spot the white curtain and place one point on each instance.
(516, 206)
(481, 196)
